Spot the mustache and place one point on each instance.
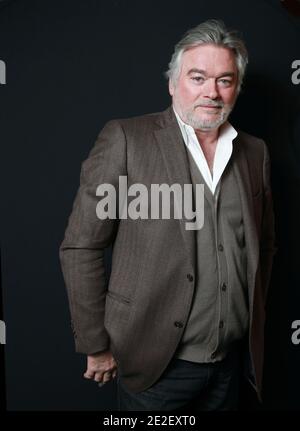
(212, 104)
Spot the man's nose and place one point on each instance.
(211, 89)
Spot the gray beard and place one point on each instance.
(196, 123)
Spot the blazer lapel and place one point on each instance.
(241, 170)
(173, 151)
(174, 154)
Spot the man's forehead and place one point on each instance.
(208, 57)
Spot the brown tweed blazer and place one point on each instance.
(141, 313)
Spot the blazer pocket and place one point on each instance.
(118, 297)
(117, 310)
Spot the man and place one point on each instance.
(182, 306)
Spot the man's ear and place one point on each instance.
(171, 87)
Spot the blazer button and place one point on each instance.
(190, 277)
(220, 247)
(178, 324)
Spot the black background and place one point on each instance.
(71, 66)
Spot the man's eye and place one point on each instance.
(225, 81)
(198, 78)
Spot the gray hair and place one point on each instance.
(210, 32)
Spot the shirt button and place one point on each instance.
(213, 355)
(190, 277)
(220, 247)
(224, 287)
(178, 324)
(221, 324)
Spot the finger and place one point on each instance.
(98, 377)
(106, 376)
(114, 374)
(88, 374)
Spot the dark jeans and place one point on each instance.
(188, 385)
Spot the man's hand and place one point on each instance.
(101, 367)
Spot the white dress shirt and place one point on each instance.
(222, 155)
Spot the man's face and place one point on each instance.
(206, 89)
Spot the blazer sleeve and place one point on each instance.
(86, 237)
(267, 244)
